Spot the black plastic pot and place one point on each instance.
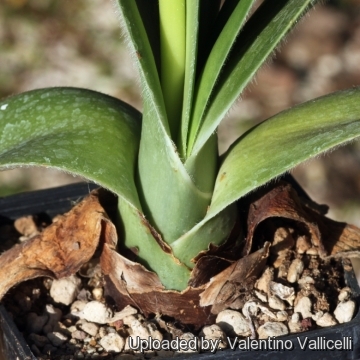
(59, 200)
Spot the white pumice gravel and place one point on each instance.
(282, 291)
(303, 307)
(97, 293)
(65, 291)
(265, 279)
(112, 342)
(214, 333)
(260, 295)
(326, 320)
(120, 315)
(271, 329)
(295, 270)
(89, 328)
(276, 303)
(344, 294)
(282, 315)
(193, 342)
(232, 322)
(303, 244)
(344, 312)
(97, 312)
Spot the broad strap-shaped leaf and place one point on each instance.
(143, 54)
(215, 63)
(79, 131)
(284, 141)
(260, 36)
(92, 135)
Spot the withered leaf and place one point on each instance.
(61, 249)
(331, 238)
(223, 286)
(130, 283)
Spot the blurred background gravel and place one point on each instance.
(78, 43)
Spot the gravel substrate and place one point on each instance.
(70, 319)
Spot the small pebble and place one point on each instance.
(26, 226)
(295, 270)
(57, 338)
(72, 328)
(282, 315)
(281, 291)
(303, 307)
(112, 342)
(267, 276)
(305, 281)
(303, 244)
(319, 314)
(91, 350)
(231, 322)
(344, 312)
(326, 320)
(97, 312)
(110, 330)
(79, 355)
(189, 338)
(54, 315)
(284, 237)
(102, 332)
(142, 329)
(214, 332)
(79, 335)
(294, 324)
(260, 295)
(35, 323)
(312, 251)
(65, 290)
(97, 293)
(90, 328)
(270, 329)
(344, 294)
(38, 340)
(276, 303)
(120, 315)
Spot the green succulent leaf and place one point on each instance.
(80, 131)
(261, 35)
(170, 199)
(173, 46)
(136, 234)
(144, 56)
(214, 231)
(163, 182)
(215, 63)
(284, 141)
(192, 30)
(93, 135)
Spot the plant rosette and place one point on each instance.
(186, 246)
